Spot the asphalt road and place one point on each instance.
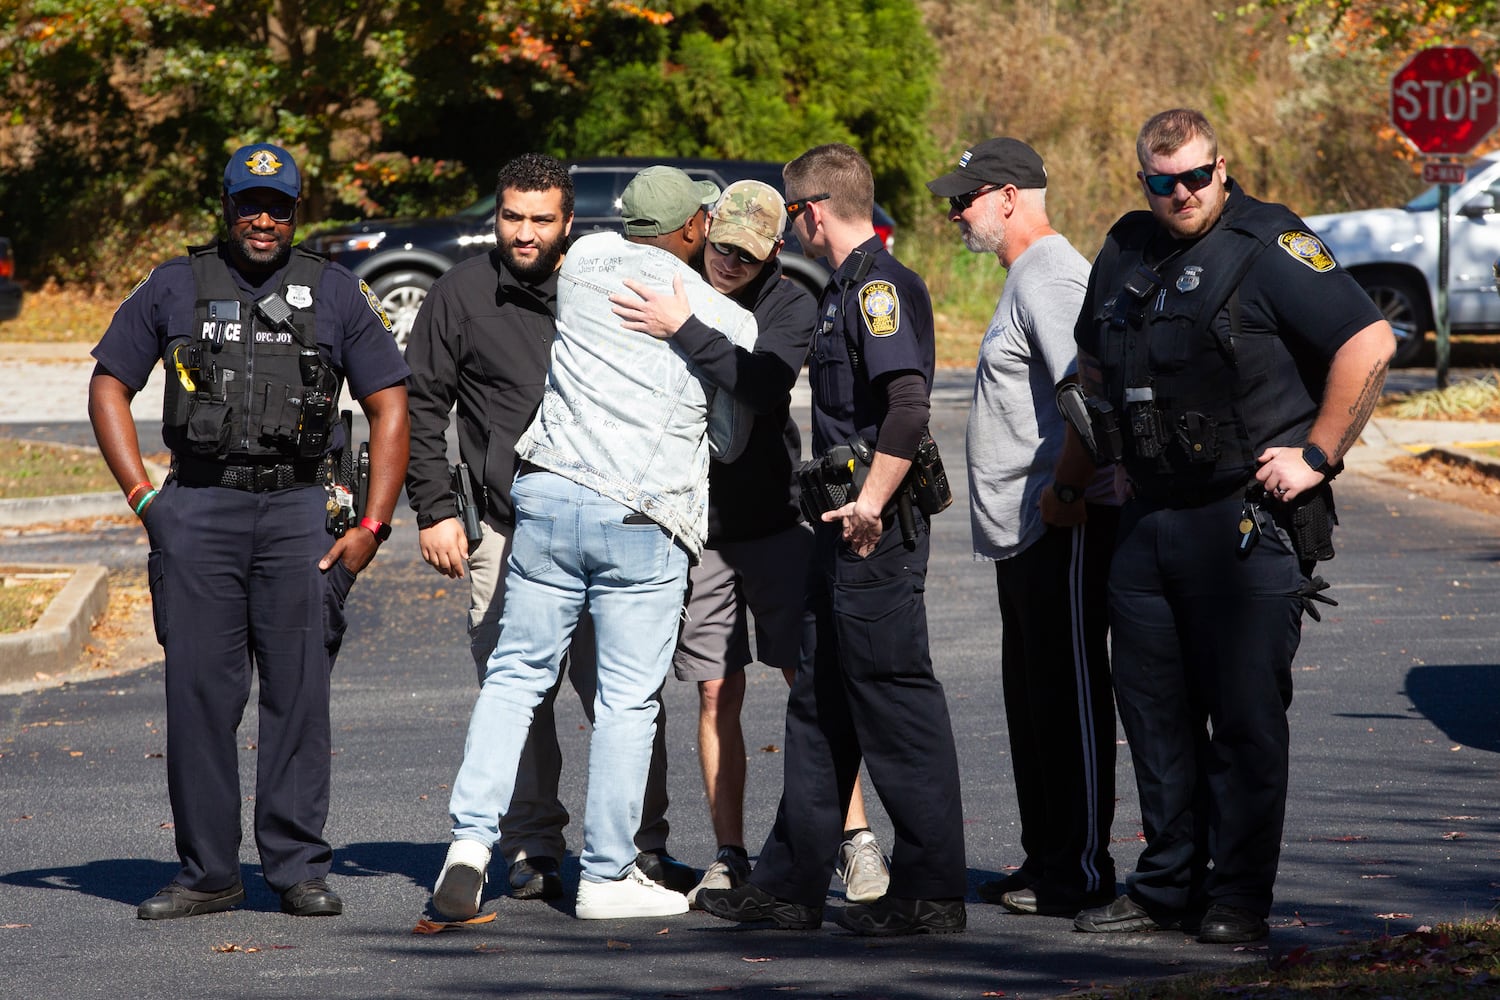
(1393, 820)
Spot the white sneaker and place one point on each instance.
(862, 867)
(729, 871)
(635, 895)
(461, 883)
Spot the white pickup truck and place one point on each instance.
(1393, 253)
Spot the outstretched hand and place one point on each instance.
(649, 311)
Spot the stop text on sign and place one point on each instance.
(1454, 100)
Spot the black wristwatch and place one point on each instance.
(1315, 459)
(1067, 494)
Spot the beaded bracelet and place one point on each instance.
(134, 490)
(145, 502)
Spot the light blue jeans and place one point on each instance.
(571, 548)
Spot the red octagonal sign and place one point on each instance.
(1445, 100)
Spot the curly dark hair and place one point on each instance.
(536, 172)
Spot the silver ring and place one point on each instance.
(1281, 491)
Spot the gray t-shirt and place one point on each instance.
(1015, 431)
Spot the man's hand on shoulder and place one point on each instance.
(444, 547)
(650, 311)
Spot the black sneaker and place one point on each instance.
(179, 901)
(535, 878)
(890, 917)
(665, 870)
(748, 904)
(1224, 924)
(311, 898)
(1123, 916)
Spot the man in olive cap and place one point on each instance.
(611, 504)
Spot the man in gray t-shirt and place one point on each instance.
(1050, 541)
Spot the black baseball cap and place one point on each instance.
(993, 161)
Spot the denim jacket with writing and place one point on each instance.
(628, 415)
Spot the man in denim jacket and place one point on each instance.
(611, 505)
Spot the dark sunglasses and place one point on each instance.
(279, 211)
(795, 208)
(1196, 179)
(961, 202)
(728, 250)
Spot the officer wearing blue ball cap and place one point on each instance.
(256, 338)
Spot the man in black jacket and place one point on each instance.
(482, 340)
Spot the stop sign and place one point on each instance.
(1445, 100)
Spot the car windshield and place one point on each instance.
(1428, 200)
(481, 209)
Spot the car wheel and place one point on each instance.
(401, 294)
(1404, 303)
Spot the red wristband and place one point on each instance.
(379, 529)
(135, 491)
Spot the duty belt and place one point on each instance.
(248, 478)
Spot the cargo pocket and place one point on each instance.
(336, 584)
(882, 627)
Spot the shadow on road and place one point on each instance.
(1461, 700)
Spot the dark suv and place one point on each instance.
(401, 258)
(10, 292)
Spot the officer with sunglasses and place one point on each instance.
(256, 337)
(1236, 363)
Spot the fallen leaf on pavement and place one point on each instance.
(229, 946)
(747, 958)
(1394, 916)
(612, 943)
(425, 926)
(1454, 835)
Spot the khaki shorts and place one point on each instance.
(764, 579)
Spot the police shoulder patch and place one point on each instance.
(880, 308)
(374, 304)
(1307, 248)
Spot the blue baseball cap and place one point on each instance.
(262, 165)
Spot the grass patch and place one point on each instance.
(24, 596)
(1452, 959)
(1474, 399)
(55, 314)
(37, 469)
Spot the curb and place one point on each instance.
(53, 644)
(19, 513)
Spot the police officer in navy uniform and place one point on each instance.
(256, 337)
(871, 691)
(1239, 363)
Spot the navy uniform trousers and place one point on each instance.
(870, 693)
(1203, 639)
(234, 581)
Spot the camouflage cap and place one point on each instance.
(750, 215)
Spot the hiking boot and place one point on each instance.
(891, 917)
(748, 904)
(863, 869)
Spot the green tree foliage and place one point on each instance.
(121, 113)
(767, 79)
(1401, 26)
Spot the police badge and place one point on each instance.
(880, 308)
(1188, 279)
(298, 296)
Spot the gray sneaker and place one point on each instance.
(730, 870)
(863, 869)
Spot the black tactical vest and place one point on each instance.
(235, 389)
(1179, 381)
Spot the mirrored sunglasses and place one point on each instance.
(795, 208)
(728, 250)
(1195, 179)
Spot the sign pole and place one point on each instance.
(1442, 286)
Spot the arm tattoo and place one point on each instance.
(1364, 405)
